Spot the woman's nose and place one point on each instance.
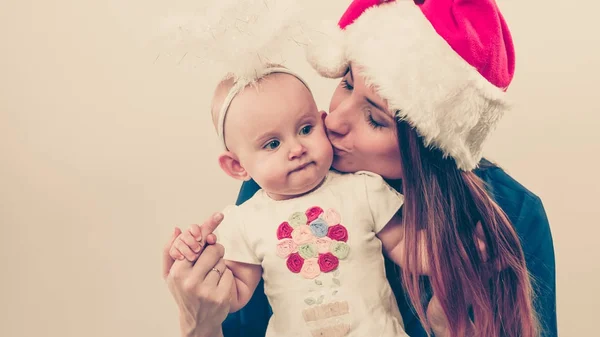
(337, 121)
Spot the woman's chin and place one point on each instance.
(342, 165)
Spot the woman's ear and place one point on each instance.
(230, 164)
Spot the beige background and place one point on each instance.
(103, 150)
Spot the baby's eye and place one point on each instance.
(272, 145)
(306, 130)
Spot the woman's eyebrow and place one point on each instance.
(374, 104)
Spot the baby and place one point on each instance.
(313, 235)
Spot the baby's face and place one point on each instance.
(279, 136)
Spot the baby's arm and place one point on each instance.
(246, 276)
(392, 239)
(385, 205)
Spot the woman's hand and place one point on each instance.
(202, 288)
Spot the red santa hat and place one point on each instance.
(443, 65)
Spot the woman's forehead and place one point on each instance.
(367, 88)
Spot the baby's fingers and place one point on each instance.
(196, 232)
(190, 240)
(184, 249)
(175, 253)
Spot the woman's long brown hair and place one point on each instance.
(484, 296)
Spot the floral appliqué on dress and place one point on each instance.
(312, 242)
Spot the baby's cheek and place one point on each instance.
(274, 176)
(325, 148)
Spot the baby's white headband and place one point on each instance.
(238, 87)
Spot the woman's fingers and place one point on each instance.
(181, 248)
(225, 284)
(211, 239)
(210, 225)
(167, 259)
(203, 234)
(215, 273)
(209, 258)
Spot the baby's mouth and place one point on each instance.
(302, 167)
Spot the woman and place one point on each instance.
(422, 87)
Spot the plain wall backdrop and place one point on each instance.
(103, 150)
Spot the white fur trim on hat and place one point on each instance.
(326, 51)
(430, 86)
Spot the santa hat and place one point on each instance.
(443, 65)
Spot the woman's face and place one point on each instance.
(361, 129)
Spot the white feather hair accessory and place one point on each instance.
(239, 37)
(242, 39)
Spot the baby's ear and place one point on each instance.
(230, 164)
(323, 115)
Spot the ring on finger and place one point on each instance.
(217, 271)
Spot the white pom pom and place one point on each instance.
(238, 37)
(326, 50)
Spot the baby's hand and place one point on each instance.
(189, 244)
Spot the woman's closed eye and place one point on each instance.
(372, 121)
(346, 85)
(374, 124)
